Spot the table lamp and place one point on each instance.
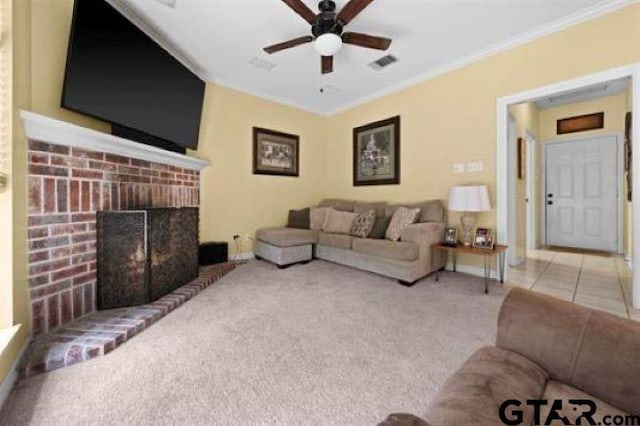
(469, 199)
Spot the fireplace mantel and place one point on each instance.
(46, 129)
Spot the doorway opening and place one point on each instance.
(563, 205)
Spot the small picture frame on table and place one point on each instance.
(483, 239)
(450, 236)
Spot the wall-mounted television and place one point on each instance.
(116, 73)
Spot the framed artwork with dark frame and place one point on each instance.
(275, 153)
(522, 160)
(376, 153)
(628, 155)
(580, 123)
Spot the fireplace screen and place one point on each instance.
(145, 254)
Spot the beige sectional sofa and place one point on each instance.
(407, 260)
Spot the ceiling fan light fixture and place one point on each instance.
(328, 44)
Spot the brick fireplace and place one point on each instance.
(74, 172)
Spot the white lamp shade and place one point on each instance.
(328, 44)
(469, 199)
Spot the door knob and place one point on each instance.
(550, 195)
(550, 202)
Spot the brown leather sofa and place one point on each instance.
(546, 349)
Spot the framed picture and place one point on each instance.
(376, 153)
(450, 236)
(275, 153)
(483, 239)
(580, 123)
(522, 160)
(628, 155)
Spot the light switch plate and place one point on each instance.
(475, 166)
(458, 168)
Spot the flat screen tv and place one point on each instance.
(118, 74)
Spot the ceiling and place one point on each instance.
(218, 39)
(588, 93)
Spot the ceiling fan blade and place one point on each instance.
(366, 40)
(351, 10)
(327, 64)
(288, 44)
(301, 9)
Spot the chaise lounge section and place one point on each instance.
(407, 260)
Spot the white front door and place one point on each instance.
(582, 193)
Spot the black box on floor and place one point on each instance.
(213, 252)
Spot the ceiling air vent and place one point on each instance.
(383, 62)
(262, 64)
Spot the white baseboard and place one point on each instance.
(10, 380)
(242, 256)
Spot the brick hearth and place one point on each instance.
(101, 332)
(67, 186)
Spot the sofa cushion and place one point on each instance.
(473, 395)
(299, 219)
(363, 224)
(335, 240)
(342, 205)
(402, 218)
(430, 211)
(317, 217)
(287, 237)
(398, 250)
(338, 222)
(363, 206)
(557, 390)
(380, 227)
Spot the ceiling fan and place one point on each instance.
(327, 30)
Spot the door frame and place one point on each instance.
(532, 178)
(620, 205)
(502, 109)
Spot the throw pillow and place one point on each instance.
(380, 227)
(363, 224)
(299, 219)
(401, 218)
(338, 222)
(317, 216)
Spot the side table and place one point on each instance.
(498, 251)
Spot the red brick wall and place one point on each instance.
(66, 188)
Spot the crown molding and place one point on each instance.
(511, 43)
(577, 18)
(45, 129)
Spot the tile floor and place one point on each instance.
(599, 281)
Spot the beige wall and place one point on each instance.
(451, 118)
(614, 108)
(526, 116)
(235, 201)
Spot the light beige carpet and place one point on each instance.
(318, 344)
